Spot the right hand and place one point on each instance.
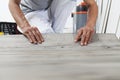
(33, 35)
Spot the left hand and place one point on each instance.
(84, 34)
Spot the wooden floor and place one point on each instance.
(59, 58)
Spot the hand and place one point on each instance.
(33, 34)
(84, 34)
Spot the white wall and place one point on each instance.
(113, 17)
(118, 28)
(109, 17)
(5, 15)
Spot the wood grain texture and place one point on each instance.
(59, 58)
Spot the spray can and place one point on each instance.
(80, 16)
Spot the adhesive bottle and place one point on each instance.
(80, 16)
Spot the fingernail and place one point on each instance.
(31, 42)
(82, 44)
(35, 42)
(75, 40)
(85, 43)
(40, 42)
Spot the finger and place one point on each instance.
(36, 35)
(83, 38)
(78, 36)
(32, 37)
(92, 33)
(87, 38)
(39, 34)
(28, 37)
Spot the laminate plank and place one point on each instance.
(59, 58)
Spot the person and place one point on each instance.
(35, 17)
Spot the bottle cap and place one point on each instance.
(82, 7)
(83, 4)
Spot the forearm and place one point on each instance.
(92, 14)
(18, 14)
